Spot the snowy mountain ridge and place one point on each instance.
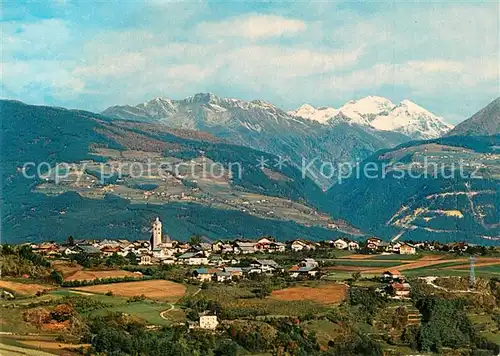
(380, 113)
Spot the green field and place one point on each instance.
(11, 350)
(146, 309)
(367, 263)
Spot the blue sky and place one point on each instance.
(94, 54)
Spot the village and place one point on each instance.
(210, 286)
(231, 260)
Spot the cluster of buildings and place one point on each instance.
(307, 268)
(397, 287)
(378, 245)
(160, 249)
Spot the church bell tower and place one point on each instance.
(156, 234)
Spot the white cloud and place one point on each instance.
(44, 38)
(431, 77)
(253, 27)
(430, 51)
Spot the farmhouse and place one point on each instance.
(353, 246)
(203, 274)
(221, 247)
(296, 271)
(244, 247)
(266, 266)
(110, 250)
(407, 249)
(309, 262)
(208, 322)
(88, 250)
(193, 258)
(299, 245)
(235, 271)
(373, 243)
(221, 276)
(276, 247)
(145, 260)
(340, 244)
(399, 290)
(45, 248)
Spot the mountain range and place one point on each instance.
(263, 200)
(85, 204)
(380, 113)
(445, 189)
(263, 126)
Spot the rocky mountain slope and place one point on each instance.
(85, 203)
(380, 113)
(484, 122)
(445, 189)
(261, 125)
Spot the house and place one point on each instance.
(181, 248)
(384, 246)
(45, 248)
(203, 274)
(87, 249)
(235, 271)
(208, 322)
(407, 249)
(107, 243)
(341, 244)
(458, 247)
(145, 260)
(276, 247)
(264, 243)
(396, 247)
(309, 271)
(70, 251)
(373, 243)
(309, 262)
(299, 245)
(110, 250)
(193, 258)
(247, 271)
(399, 290)
(244, 247)
(353, 246)
(221, 276)
(162, 253)
(392, 275)
(266, 266)
(203, 246)
(216, 260)
(221, 247)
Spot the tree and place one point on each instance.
(356, 276)
(132, 258)
(56, 277)
(71, 241)
(195, 240)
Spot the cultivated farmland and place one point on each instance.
(326, 293)
(152, 289)
(75, 272)
(24, 288)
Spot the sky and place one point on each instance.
(94, 54)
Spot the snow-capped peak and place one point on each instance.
(411, 107)
(380, 113)
(321, 115)
(412, 120)
(363, 110)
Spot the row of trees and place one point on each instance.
(97, 281)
